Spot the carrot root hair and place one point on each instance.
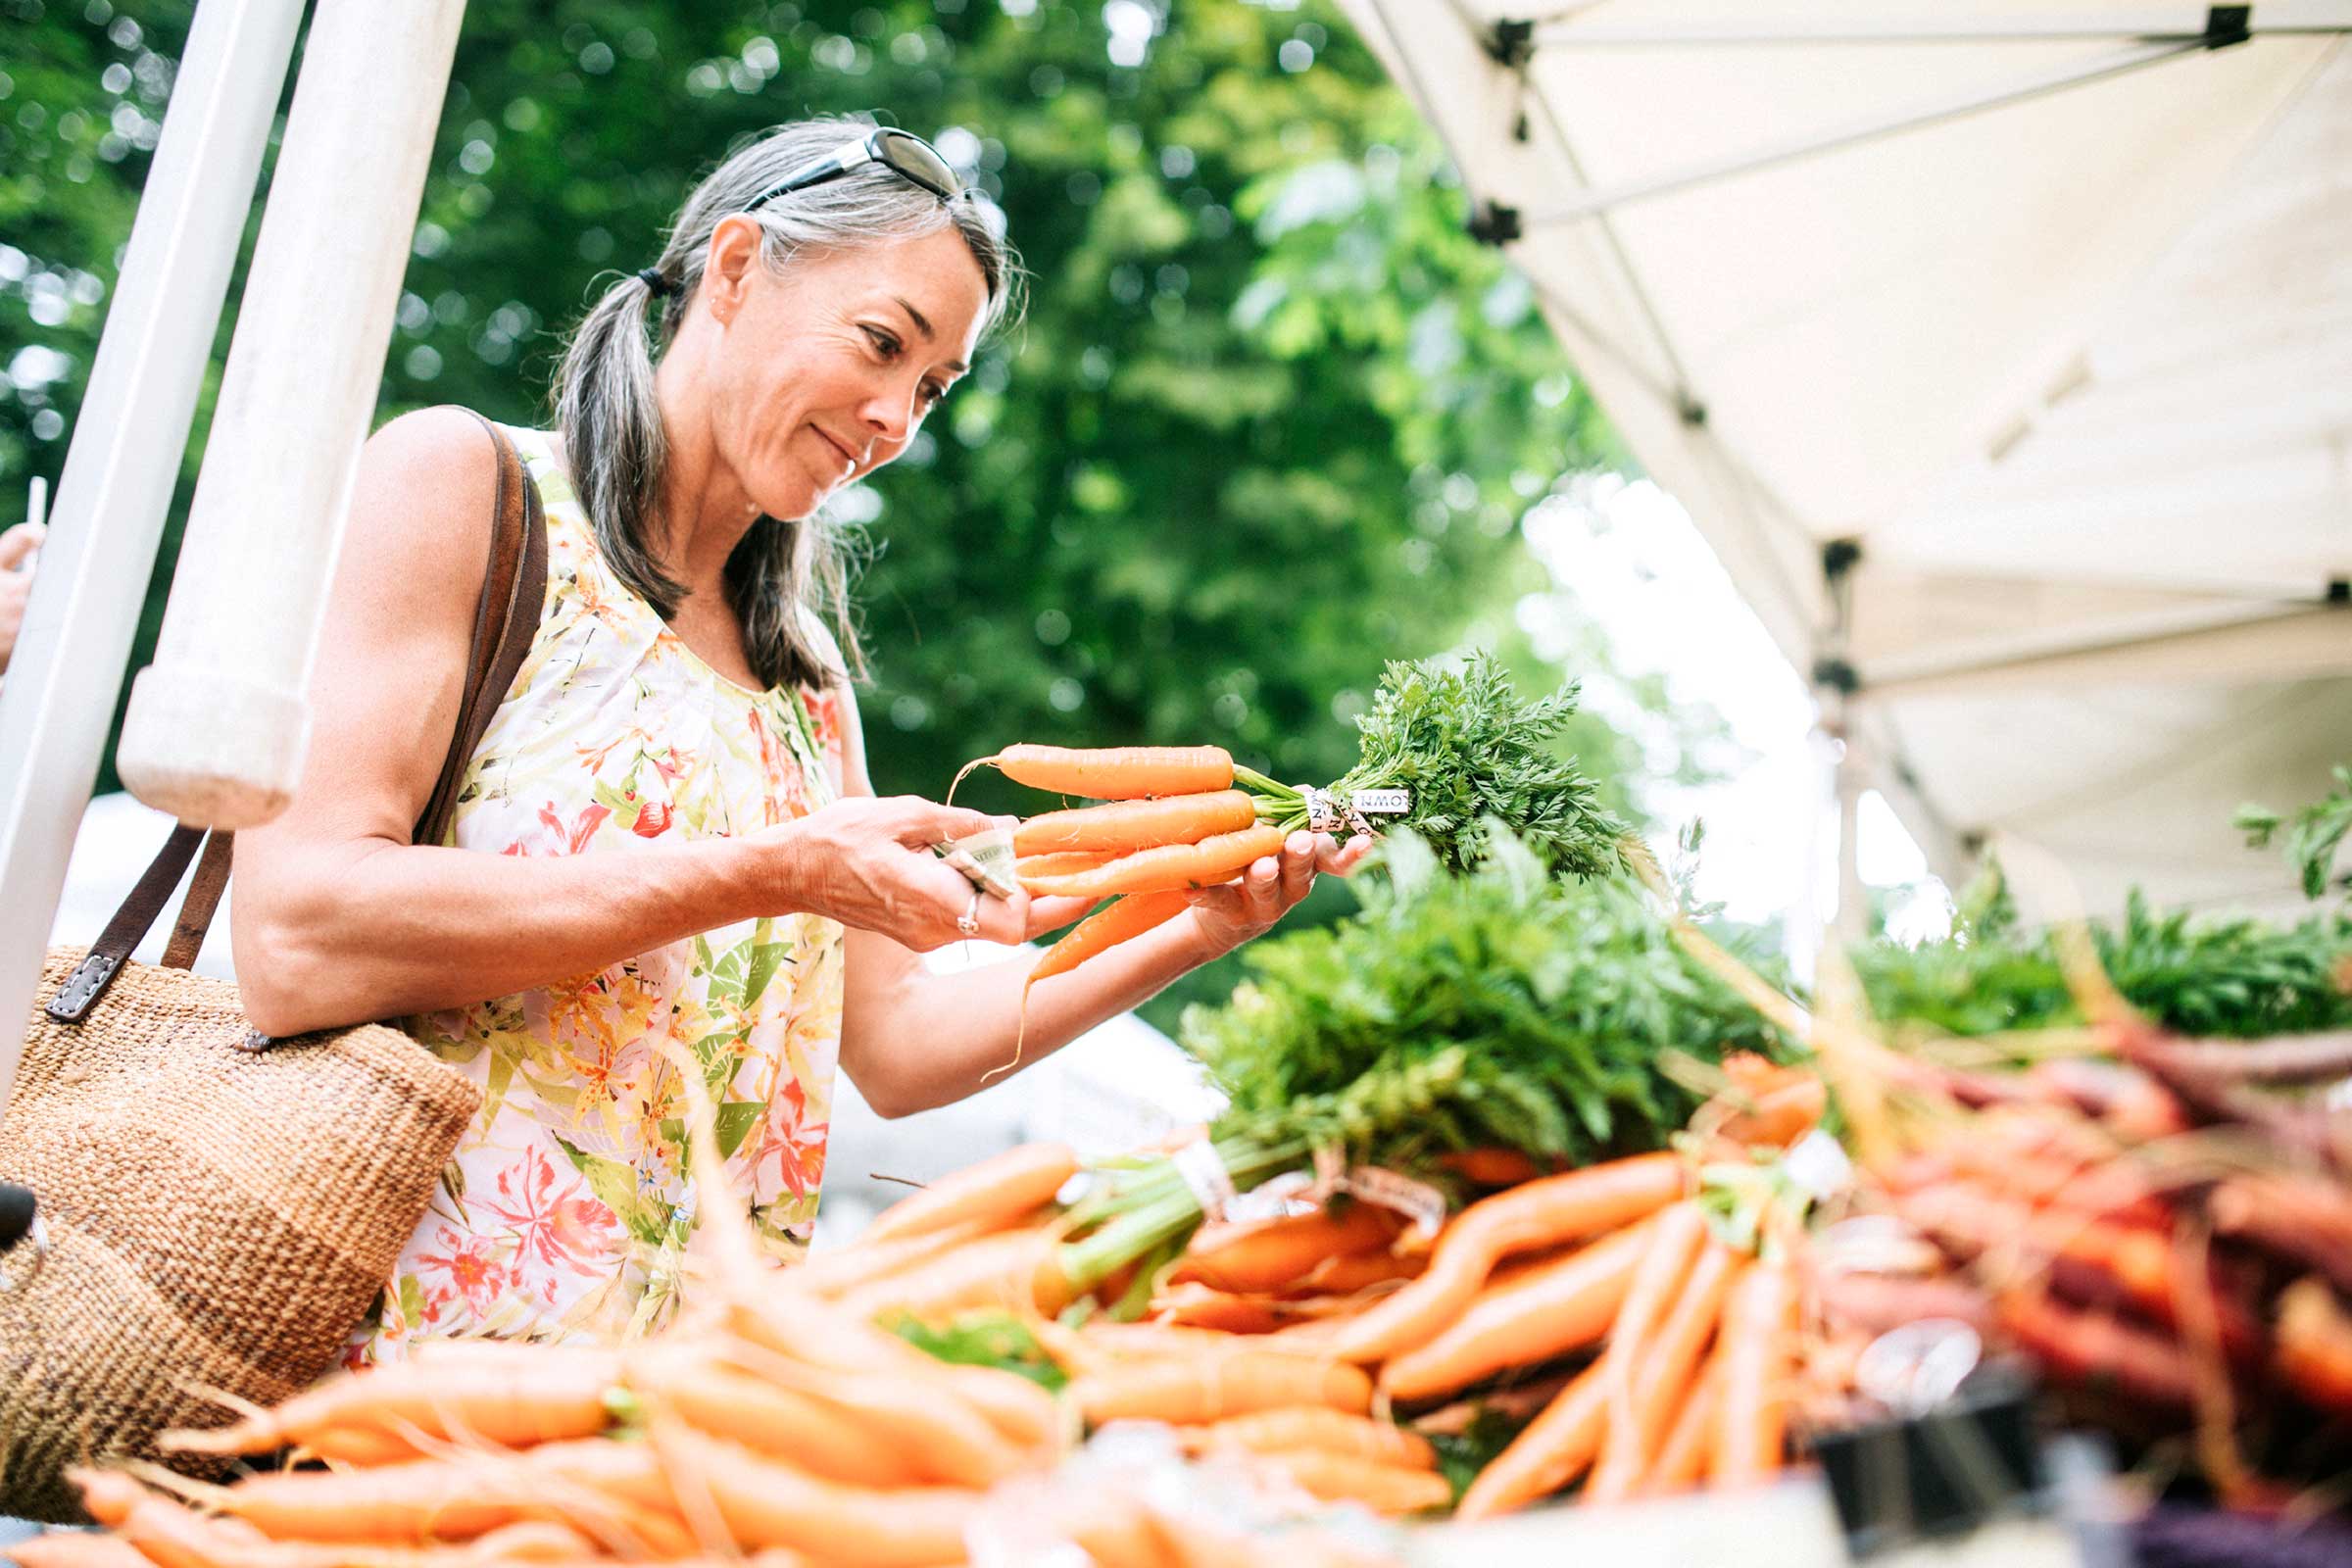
(957, 782)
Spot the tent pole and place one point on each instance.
(1608, 198)
(58, 700)
(1848, 778)
(216, 726)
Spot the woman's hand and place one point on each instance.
(1231, 916)
(867, 862)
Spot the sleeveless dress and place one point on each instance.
(568, 1208)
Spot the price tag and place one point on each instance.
(1382, 803)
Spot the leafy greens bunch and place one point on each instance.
(2312, 835)
(1497, 1007)
(1470, 750)
(2215, 976)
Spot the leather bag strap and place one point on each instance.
(506, 618)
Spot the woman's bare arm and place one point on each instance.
(338, 919)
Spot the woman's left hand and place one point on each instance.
(1231, 916)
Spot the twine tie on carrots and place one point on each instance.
(1327, 813)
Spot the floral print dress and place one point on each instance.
(568, 1206)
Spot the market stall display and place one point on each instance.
(1528, 1189)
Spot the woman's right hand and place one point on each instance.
(866, 861)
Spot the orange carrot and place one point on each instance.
(954, 1432)
(1550, 1451)
(832, 1271)
(2099, 1350)
(2314, 1344)
(1546, 1212)
(764, 1504)
(1016, 1271)
(78, 1549)
(1315, 1426)
(1385, 1489)
(433, 1499)
(1357, 1271)
(1773, 1106)
(1176, 1341)
(1061, 862)
(1001, 1188)
(1107, 928)
(510, 1395)
(1491, 1167)
(1652, 1383)
(1125, 827)
(1196, 1305)
(821, 1438)
(818, 1346)
(1273, 1254)
(1682, 1461)
(1115, 772)
(1758, 1341)
(1168, 868)
(1211, 1387)
(1549, 1311)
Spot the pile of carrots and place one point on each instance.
(2165, 1228)
(1297, 1340)
(775, 1425)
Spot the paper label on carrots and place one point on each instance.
(985, 859)
(1203, 1171)
(1382, 803)
(1816, 1166)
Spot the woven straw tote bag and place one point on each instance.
(217, 1210)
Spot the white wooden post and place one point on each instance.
(59, 694)
(217, 725)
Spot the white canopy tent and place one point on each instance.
(2003, 357)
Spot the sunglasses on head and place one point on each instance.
(910, 158)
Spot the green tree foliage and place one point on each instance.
(1272, 418)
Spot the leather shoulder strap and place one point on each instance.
(506, 618)
(505, 622)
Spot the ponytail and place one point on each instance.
(612, 435)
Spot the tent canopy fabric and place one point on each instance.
(2036, 324)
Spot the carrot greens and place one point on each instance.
(2198, 974)
(2311, 836)
(1498, 1006)
(1468, 750)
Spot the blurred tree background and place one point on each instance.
(1272, 419)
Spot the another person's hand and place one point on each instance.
(17, 547)
(867, 862)
(1232, 914)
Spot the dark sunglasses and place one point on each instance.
(910, 158)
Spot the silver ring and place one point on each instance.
(968, 922)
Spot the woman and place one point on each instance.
(668, 840)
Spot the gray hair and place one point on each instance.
(786, 573)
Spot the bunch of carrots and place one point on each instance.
(1172, 822)
(774, 1426)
